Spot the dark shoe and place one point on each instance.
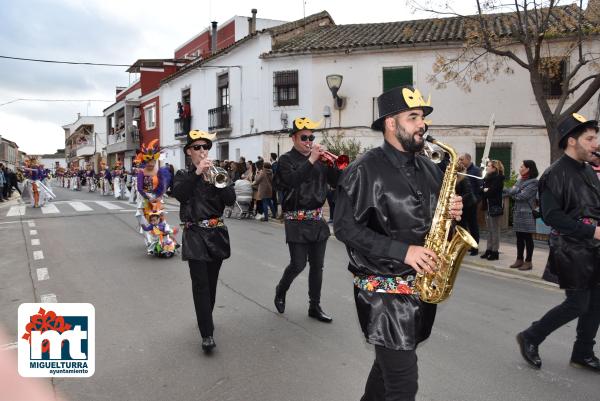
(529, 351)
(208, 343)
(526, 266)
(493, 256)
(316, 312)
(590, 363)
(485, 254)
(518, 263)
(474, 252)
(279, 301)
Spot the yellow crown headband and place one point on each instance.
(306, 123)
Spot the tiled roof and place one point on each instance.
(411, 33)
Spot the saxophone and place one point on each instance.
(449, 243)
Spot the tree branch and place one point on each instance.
(584, 97)
(573, 89)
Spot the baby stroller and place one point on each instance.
(243, 199)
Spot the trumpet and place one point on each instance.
(341, 161)
(217, 176)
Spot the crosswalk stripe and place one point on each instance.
(108, 205)
(80, 206)
(16, 211)
(50, 209)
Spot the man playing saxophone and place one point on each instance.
(386, 201)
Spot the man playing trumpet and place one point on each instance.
(205, 240)
(304, 181)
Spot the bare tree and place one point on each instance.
(549, 40)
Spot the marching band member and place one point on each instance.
(305, 183)
(384, 209)
(570, 203)
(205, 240)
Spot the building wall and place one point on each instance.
(147, 135)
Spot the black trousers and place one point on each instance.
(314, 252)
(393, 377)
(204, 289)
(581, 304)
(524, 240)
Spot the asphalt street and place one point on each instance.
(148, 344)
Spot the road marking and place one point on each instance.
(80, 206)
(42, 274)
(50, 209)
(32, 232)
(48, 298)
(31, 224)
(35, 241)
(16, 211)
(108, 205)
(38, 255)
(9, 346)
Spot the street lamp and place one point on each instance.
(334, 81)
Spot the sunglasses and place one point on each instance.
(307, 138)
(204, 146)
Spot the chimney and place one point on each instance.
(213, 38)
(253, 22)
(78, 116)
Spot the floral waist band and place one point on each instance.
(389, 285)
(209, 223)
(304, 214)
(584, 220)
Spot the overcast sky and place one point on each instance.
(120, 32)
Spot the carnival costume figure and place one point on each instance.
(120, 186)
(106, 178)
(385, 205)
(151, 181)
(34, 186)
(160, 237)
(205, 239)
(91, 179)
(133, 194)
(305, 181)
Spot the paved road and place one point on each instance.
(148, 346)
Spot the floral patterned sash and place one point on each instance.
(301, 215)
(389, 285)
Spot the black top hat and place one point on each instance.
(397, 100)
(573, 123)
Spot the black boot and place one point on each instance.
(208, 343)
(493, 255)
(315, 311)
(279, 300)
(485, 254)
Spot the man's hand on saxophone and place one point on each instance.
(421, 259)
(456, 206)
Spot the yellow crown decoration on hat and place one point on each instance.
(579, 118)
(414, 98)
(306, 123)
(197, 134)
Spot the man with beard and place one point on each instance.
(570, 203)
(385, 204)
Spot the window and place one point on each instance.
(553, 71)
(150, 116)
(394, 77)
(501, 151)
(223, 89)
(285, 88)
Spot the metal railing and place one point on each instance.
(182, 126)
(218, 117)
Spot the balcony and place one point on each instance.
(85, 149)
(218, 118)
(123, 140)
(182, 127)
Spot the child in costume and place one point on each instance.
(160, 240)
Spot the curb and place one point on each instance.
(503, 272)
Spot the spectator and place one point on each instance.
(492, 194)
(465, 190)
(2, 182)
(275, 196)
(264, 183)
(469, 217)
(524, 193)
(187, 117)
(180, 110)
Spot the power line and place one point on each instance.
(55, 100)
(65, 62)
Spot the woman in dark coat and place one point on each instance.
(524, 193)
(493, 184)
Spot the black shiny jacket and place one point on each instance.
(199, 200)
(575, 191)
(385, 202)
(305, 187)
